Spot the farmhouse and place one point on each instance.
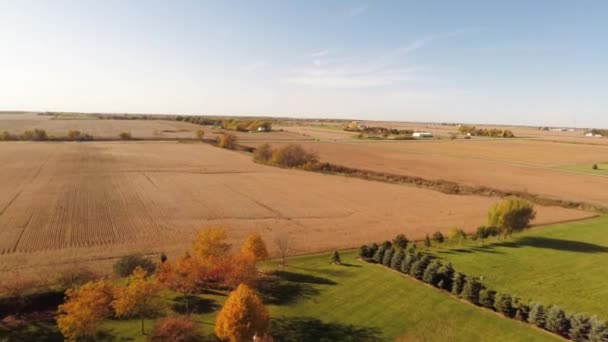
(422, 135)
(593, 135)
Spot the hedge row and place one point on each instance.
(410, 261)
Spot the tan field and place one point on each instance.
(69, 202)
(512, 165)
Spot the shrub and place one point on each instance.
(419, 266)
(511, 215)
(163, 258)
(262, 154)
(458, 284)
(27, 135)
(595, 167)
(580, 327)
(504, 305)
(125, 266)
(427, 241)
(438, 237)
(400, 241)
(364, 252)
(431, 273)
(372, 249)
(457, 234)
(470, 290)
(6, 136)
(335, 258)
(446, 273)
(74, 277)
(379, 255)
(556, 321)
(125, 136)
(397, 260)
(408, 261)
(598, 331)
(487, 298)
(200, 134)
(387, 244)
(388, 256)
(521, 310)
(227, 141)
(174, 329)
(293, 155)
(537, 315)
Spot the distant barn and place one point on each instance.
(422, 135)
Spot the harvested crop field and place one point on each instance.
(477, 165)
(86, 201)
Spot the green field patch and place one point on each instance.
(562, 264)
(602, 169)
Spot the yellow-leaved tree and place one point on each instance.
(140, 296)
(242, 317)
(210, 244)
(185, 275)
(84, 309)
(254, 248)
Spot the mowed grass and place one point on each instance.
(562, 264)
(602, 169)
(312, 300)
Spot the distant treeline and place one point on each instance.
(41, 135)
(483, 132)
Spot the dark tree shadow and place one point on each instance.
(302, 278)
(276, 291)
(349, 265)
(306, 329)
(194, 304)
(110, 336)
(562, 245)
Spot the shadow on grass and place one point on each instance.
(536, 242)
(276, 291)
(306, 329)
(194, 304)
(302, 278)
(35, 331)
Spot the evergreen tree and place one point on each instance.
(599, 330)
(372, 249)
(556, 321)
(386, 260)
(504, 305)
(419, 266)
(487, 298)
(379, 255)
(580, 327)
(446, 273)
(536, 315)
(470, 290)
(335, 258)
(397, 260)
(410, 258)
(400, 241)
(427, 241)
(364, 252)
(458, 284)
(521, 310)
(386, 244)
(431, 273)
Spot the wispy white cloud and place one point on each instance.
(320, 53)
(356, 11)
(388, 68)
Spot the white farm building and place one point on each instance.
(422, 135)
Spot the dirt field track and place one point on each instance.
(79, 201)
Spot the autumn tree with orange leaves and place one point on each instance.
(186, 276)
(242, 317)
(84, 309)
(140, 296)
(210, 244)
(254, 248)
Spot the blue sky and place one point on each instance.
(521, 62)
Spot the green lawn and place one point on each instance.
(312, 300)
(563, 264)
(587, 168)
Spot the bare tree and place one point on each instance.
(283, 245)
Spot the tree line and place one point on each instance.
(400, 255)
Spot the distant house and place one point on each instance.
(593, 135)
(262, 129)
(422, 135)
